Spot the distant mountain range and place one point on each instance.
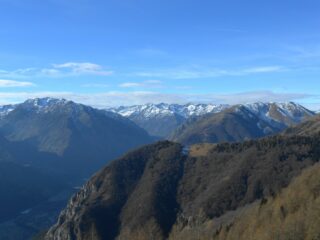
(162, 119)
(241, 122)
(175, 121)
(258, 189)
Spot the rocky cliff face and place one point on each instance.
(129, 195)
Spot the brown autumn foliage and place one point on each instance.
(294, 214)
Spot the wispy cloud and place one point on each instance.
(4, 83)
(130, 84)
(254, 96)
(83, 68)
(67, 69)
(266, 69)
(116, 98)
(192, 73)
(303, 52)
(144, 84)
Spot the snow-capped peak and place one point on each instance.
(279, 112)
(37, 104)
(44, 102)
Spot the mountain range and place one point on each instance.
(53, 146)
(175, 122)
(162, 119)
(257, 189)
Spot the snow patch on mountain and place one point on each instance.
(6, 109)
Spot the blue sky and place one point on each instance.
(135, 51)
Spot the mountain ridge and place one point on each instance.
(241, 122)
(163, 119)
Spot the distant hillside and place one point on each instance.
(242, 122)
(166, 191)
(22, 187)
(307, 128)
(84, 137)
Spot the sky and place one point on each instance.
(110, 53)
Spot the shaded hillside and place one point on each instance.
(241, 122)
(30, 197)
(22, 187)
(162, 125)
(157, 191)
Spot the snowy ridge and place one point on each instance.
(36, 104)
(164, 109)
(275, 115)
(265, 111)
(279, 111)
(269, 112)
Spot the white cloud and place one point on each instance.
(4, 83)
(254, 96)
(50, 72)
(153, 82)
(130, 84)
(266, 69)
(144, 84)
(105, 99)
